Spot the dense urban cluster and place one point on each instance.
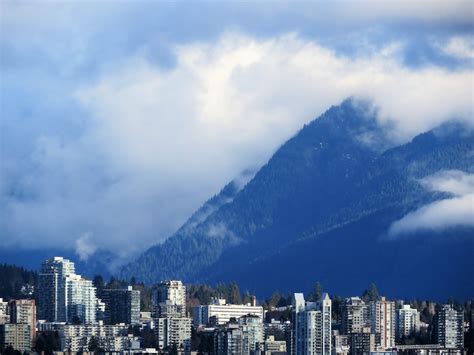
(68, 316)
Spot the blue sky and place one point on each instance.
(119, 119)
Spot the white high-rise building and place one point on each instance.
(172, 327)
(171, 293)
(311, 331)
(64, 296)
(382, 321)
(408, 321)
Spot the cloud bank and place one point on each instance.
(450, 212)
(123, 131)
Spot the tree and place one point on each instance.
(371, 294)
(316, 294)
(234, 294)
(274, 299)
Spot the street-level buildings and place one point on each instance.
(79, 337)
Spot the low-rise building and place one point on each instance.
(219, 312)
(273, 347)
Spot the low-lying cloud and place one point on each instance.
(153, 143)
(458, 210)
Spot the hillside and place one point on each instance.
(320, 210)
(16, 282)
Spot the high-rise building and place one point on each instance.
(172, 293)
(173, 331)
(64, 296)
(382, 321)
(408, 321)
(311, 326)
(448, 327)
(220, 312)
(122, 305)
(231, 339)
(253, 326)
(172, 327)
(355, 315)
(24, 312)
(15, 335)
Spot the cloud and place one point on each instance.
(450, 212)
(122, 123)
(85, 248)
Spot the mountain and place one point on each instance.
(320, 210)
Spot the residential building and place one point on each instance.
(448, 327)
(122, 305)
(64, 296)
(78, 337)
(363, 342)
(340, 345)
(4, 317)
(231, 339)
(24, 312)
(18, 336)
(355, 315)
(408, 321)
(170, 292)
(173, 331)
(382, 321)
(253, 326)
(274, 347)
(172, 326)
(311, 326)
(219, 312)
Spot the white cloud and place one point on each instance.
(156, 142)
(85, 248)
(446, 213)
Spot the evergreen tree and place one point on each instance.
(316, 294)
(371, 294)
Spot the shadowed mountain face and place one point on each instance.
(320, 209)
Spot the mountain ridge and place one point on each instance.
(344, 161)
